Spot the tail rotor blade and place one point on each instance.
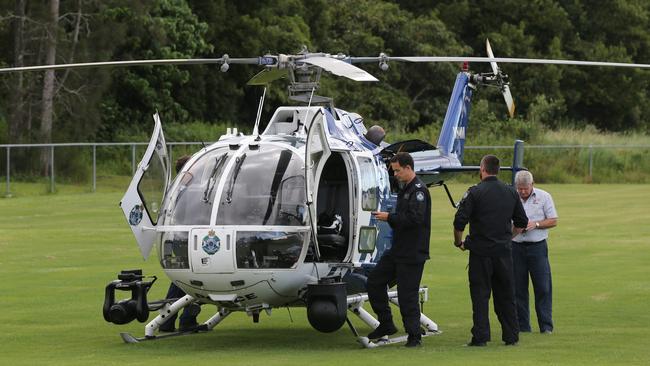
(505, 89)
(509, 101)
(495, 67)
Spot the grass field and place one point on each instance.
(57, 252)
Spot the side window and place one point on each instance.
(368, 184)
(152, 187)
(173, 253)
(367, 239)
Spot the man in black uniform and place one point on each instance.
(492, 209)
(404, 261)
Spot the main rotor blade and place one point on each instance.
(267, 75)
(340, 68)
(193, 61)
(510, 60)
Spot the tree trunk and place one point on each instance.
(17, 116)
(47, 110)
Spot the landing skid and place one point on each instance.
(385, 341)
(355, 305)
(128, 338)
(168, 310)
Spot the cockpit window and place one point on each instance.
(192, 196)
(268, 249)
(266, 186)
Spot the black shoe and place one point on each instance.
(167, 326)
(476, 344)
(384, 329)
(188, 327)
(511, 343)
(413, 343)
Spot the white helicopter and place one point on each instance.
(282, 217)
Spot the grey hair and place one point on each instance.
(523, 178)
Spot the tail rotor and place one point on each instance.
(502, 81)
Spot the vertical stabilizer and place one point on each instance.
(517, 159)
(452, 136)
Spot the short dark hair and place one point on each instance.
(180, 162)
(403, 159)
(490, 164)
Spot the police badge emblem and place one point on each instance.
(211, 243)
(419, 196)
(135, 216)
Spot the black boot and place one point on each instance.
(384, 329)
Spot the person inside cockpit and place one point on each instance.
(375, 134)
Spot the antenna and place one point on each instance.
(307, 114)
(259, 115)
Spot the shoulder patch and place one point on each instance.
(419, 196)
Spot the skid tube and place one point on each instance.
(355, 305)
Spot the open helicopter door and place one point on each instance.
(142, 200)
(317, 151)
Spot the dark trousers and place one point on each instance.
(531, 259)
(408, 276)
(492, 275)
(186, 318)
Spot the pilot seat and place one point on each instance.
(331, 243)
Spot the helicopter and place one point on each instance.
(282, 217)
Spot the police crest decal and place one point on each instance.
(135, 216)
(211, 243)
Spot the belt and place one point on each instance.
(529, 242)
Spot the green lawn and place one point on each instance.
(57, 252)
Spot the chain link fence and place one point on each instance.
(83, 163)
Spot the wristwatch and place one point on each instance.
(537, 225)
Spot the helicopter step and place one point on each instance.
(355, 305)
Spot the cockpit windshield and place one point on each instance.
(266, 186)
(192, 196)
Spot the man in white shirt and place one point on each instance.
(530, 254)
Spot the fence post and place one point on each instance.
(94, 167)
(591, 162)
(132, 159)
(8, 193)
(171, 159)
(51, 168)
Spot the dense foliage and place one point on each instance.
(108, 103)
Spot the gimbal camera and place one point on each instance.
(127, 310)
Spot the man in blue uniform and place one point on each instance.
(493, 210)
(530, 254)
(404, 262)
